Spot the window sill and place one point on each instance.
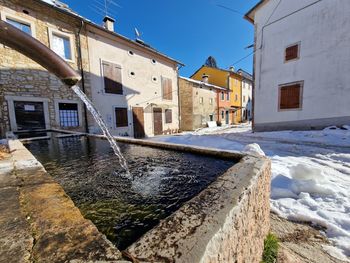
(283, 110)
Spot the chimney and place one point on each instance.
(232, 69)
(108, 23)
(205, 78)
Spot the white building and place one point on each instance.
(134, 87)
(247, 95)
(301, 64)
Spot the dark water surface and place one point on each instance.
(125, 209)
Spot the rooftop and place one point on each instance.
(65, 8)
(203, 83)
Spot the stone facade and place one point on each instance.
(24, 80)
(198, 103)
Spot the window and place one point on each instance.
(292, 52)
(222, 114)
(168, 116)
(290, 96)
(130, 53)
(211, 101)
(222, 96)
(121, 117)
(62, 46)
(153, 61)
(228, 96)
(167, 89)
(68, 113)
(201, 100)
(21, 26)
(236, 97)
(112, 74)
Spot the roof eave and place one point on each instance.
(85, 20)
(250, 14)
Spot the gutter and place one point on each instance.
(82, 75)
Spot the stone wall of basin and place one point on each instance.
(227, 222)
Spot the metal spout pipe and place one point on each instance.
(22, 42)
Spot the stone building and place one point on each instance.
(31, 97)
(198, 103)
(134, 86)
(229, 100)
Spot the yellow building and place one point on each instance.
(235, 85)
(230, 103)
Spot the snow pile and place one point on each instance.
(254, 149)
(303, 190)
(310, 179)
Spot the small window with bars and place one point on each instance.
(68, 113)
(292, 52)
(290, 96)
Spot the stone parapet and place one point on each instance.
(40, 222)
(227, 222)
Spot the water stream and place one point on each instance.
(104, 128)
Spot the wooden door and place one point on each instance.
(139, 123)
(157, 121)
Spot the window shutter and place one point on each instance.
(292, 52)
(121, 117)
(112, 78)
(290, 96)
(168, 116)
(167, 89)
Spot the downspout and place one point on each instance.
(82, 75)
(178, 96)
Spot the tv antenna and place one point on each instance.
(104, 7)
(137, 33)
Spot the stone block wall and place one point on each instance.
(195, 106)
(20, 76)
(186, 105)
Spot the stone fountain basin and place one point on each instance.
(226, 222)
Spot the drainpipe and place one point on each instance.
(82, 75)
(178, 96)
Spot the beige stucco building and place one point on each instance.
(198, 103)
(134, 87)
(30, 97)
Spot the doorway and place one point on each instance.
(157, 121)
(227, 118)
(138, 121)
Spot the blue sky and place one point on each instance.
(187, 30)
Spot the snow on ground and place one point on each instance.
(310, 173)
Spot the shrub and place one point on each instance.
(270, 249)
